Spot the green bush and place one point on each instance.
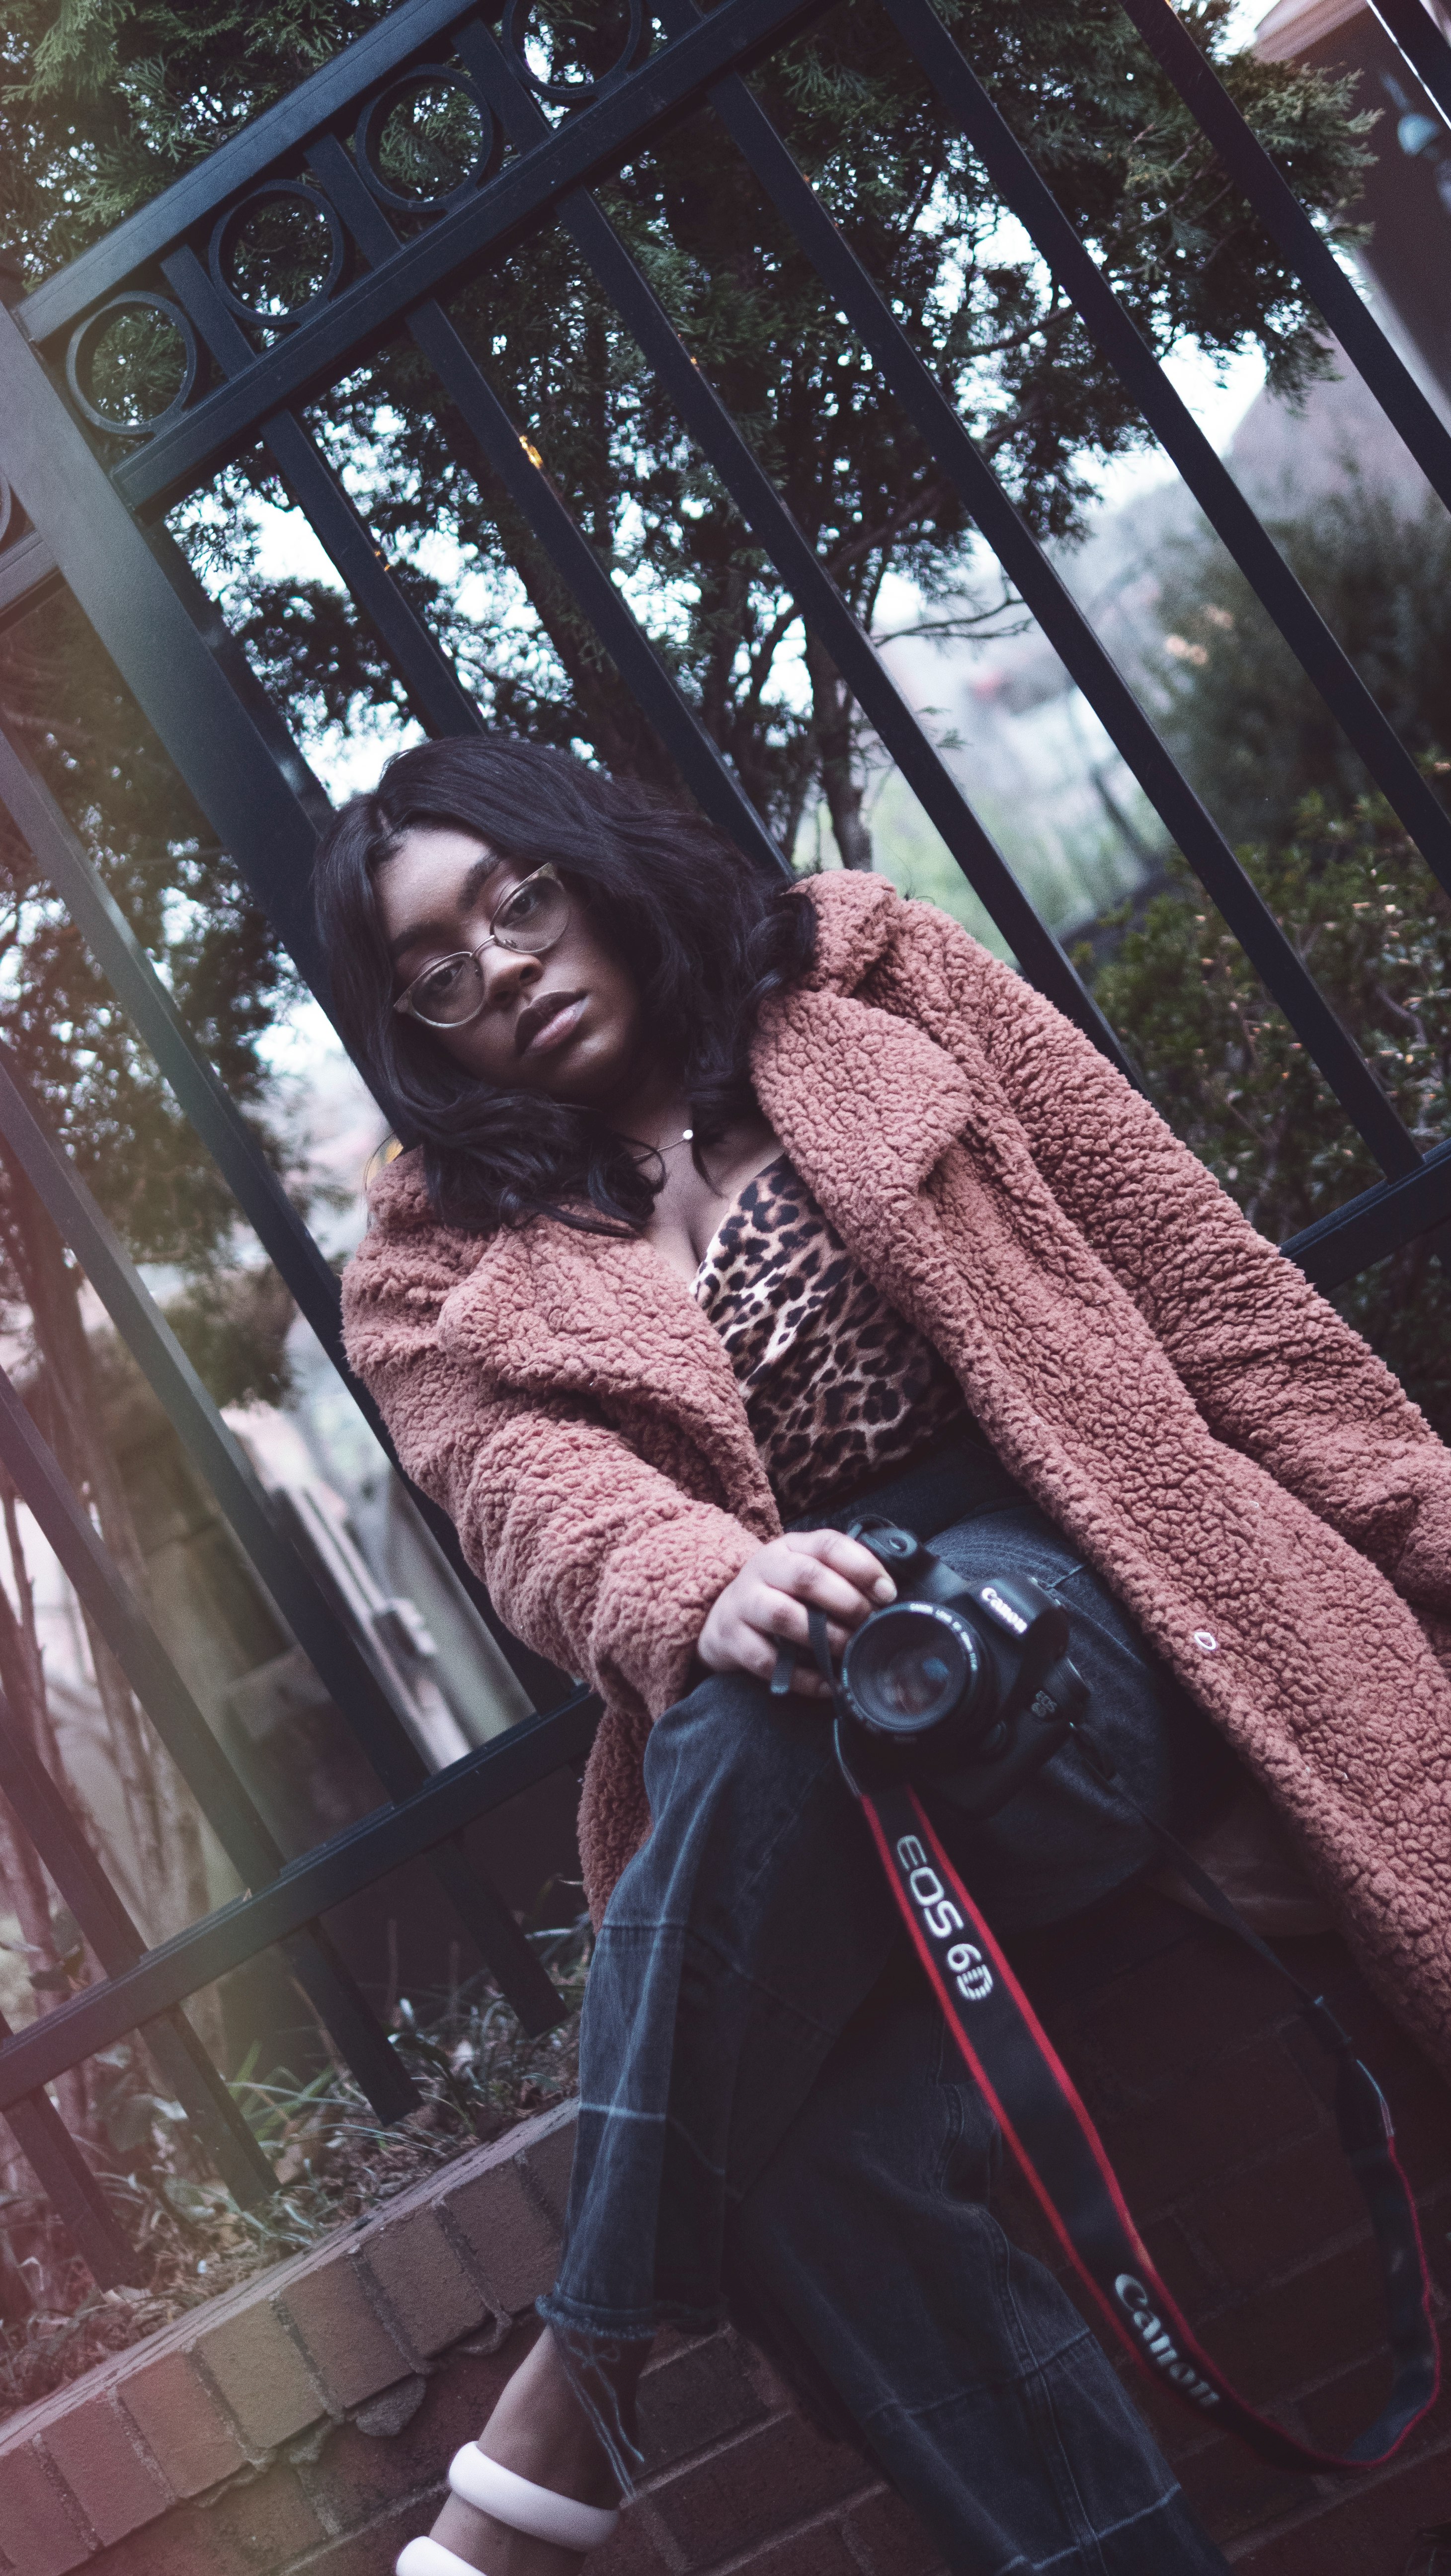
(1251, 730)
(1227, 1071)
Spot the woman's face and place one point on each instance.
(566, 1024)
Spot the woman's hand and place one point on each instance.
(767, 1604)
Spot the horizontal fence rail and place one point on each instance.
(406, 36)
(90, 525)
(526, 194)
(74, 2194)
(337, 1870)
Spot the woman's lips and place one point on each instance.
(560, 1025)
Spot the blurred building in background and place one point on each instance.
(1405, 203)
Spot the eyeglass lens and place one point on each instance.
(531, 919)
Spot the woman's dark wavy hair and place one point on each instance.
(705, 936)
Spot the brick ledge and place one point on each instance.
(300, 2425)
(308, 2344)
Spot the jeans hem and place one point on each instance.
(629, 2325)
(593, 2349)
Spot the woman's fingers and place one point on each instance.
(767, 1605)
(787, 1619)
(758, 1655)
(759, 1624)
(815, 1581)
(806, 1683)
(848, 1558)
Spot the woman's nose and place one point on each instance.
(507, 973)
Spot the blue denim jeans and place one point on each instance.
(867, 2262)
(771, 2121)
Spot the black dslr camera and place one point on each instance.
(965, 1684)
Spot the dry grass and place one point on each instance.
(478, 2076)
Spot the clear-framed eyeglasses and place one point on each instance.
(530, 919)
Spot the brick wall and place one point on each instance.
(1214, 2102)
(303, 2422)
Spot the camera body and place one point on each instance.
(963, 1683)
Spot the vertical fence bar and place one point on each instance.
(185, 2068)
(118, 1618)
(69, 2185)
(1019, 185)
(206, 1103)
(1414, 29)
(440, 701)
(818, 599)
(1057, 613)
(816, 595)
(213, 632)
(231, 767)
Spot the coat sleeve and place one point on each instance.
(1273, 1368)
(593, 1557)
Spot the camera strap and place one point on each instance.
(1062, 2158)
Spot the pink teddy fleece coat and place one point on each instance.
(1230, 1455)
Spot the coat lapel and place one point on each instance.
(865, 1099)
(919, 1161)
(552, 1311)
(866, 1104)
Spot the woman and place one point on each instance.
(739, 1206)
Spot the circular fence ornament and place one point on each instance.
(427, 141)
(131, 367)
(634, 46)
(278, 256)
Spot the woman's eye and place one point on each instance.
(442, 981)
(520, 906)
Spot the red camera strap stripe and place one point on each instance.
(1063, 2159)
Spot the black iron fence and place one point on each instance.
(82, 508)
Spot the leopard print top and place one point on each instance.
(839, 1387)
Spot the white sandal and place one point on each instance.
(430, 2558)
(541, 2511)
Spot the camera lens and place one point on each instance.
(910, 1667)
